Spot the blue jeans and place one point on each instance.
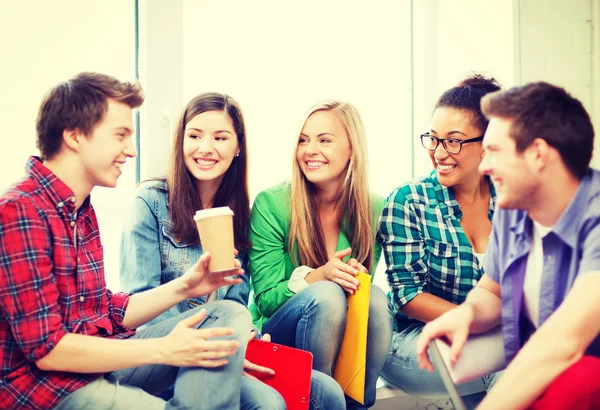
(402, 370)
(325, 393)
(315, 320)
(195, 387)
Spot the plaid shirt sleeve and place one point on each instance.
(403, 248)
(28, 292)
(117, 305)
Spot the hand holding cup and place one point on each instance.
(199, 280)
(215, 226)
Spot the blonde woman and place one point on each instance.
(310, 238)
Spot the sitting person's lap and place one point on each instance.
(137, 387)
(402, 369)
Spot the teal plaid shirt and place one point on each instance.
(425, 248)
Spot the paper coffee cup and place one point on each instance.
(215, 226)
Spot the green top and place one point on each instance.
(269, 261)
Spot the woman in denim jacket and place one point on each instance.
(160, 241)
(208, 168)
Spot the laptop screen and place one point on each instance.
(439, 364)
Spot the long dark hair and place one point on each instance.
(184, 198)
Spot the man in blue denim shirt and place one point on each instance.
(542, 270)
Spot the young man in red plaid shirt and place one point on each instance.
(66, 341)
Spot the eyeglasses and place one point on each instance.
(451, 145)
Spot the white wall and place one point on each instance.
(160, 71)
(43, 43)
(291, 55)
(453, 39)
(560, 43)
(280, 62)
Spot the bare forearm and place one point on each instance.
(487, 309)
(535, 367)
(558, 344)
(90, 354)
(427, 307)
(147, 305)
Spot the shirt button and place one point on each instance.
(72, 224)
(81, 298)
(60, 204)
(73, 199)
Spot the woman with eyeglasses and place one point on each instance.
(434, 232)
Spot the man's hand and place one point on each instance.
(249, 366)
(198, 281)
(187, 346)
(454, 325)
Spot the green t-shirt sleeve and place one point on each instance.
(268, 255)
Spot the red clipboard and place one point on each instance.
(293, 370)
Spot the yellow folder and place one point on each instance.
(351, 362)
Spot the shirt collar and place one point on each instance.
(449, 205)
(59, 193)
(446, 202)
(569, 222)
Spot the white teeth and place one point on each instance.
(442, 167)
(205, 162)
(312, 164)
(118, 165)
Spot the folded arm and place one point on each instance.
(406, 260)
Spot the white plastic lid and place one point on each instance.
(209, 213)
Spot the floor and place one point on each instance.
(393, 399)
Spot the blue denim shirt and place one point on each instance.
(572, 248)
(152, 256)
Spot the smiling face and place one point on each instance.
(108, 146)
(461, 168)
(210, 144)
(513, 173)
(324, 151)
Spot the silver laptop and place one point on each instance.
(457, 401)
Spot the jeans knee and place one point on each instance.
(259, 396)
(380, 313)
(379, 303)
(231, 314)
(325, 392)
(329, 299)
(273, 401)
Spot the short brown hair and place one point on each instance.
(542, 110)
(80, 103)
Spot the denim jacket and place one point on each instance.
(152, 256)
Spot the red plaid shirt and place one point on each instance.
(51, 283)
